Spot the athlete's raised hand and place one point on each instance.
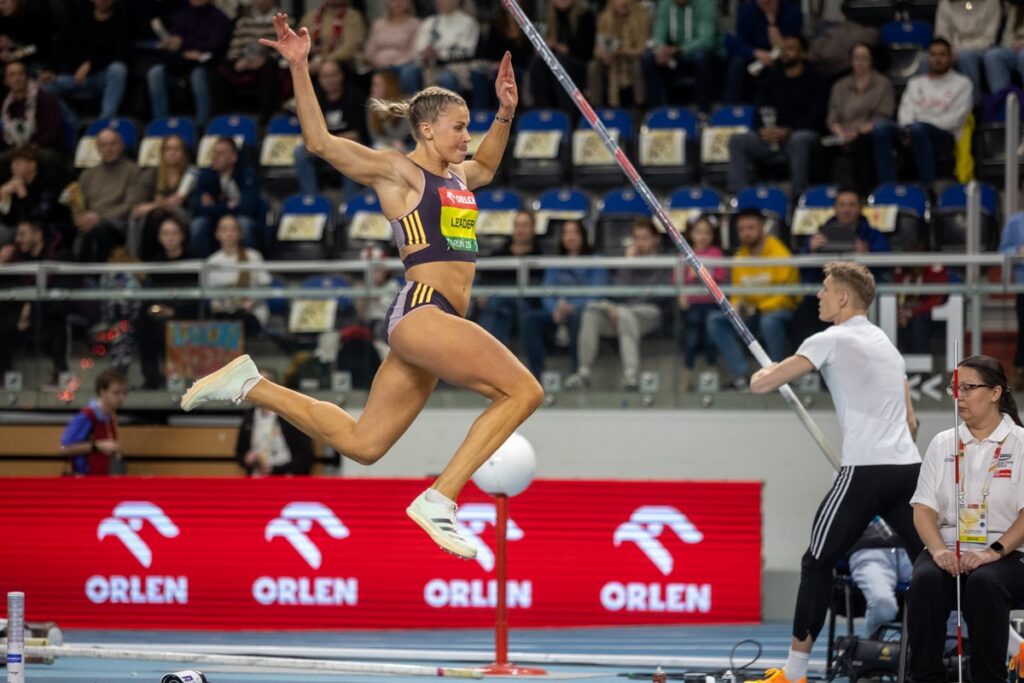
(294, 47)
(505, 85)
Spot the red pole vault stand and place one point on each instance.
(501, 665)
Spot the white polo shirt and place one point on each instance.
(936, 485)
(865, 375)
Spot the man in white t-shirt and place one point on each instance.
(866, 376)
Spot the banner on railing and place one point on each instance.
(279, 553)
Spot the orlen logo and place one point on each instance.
(294, 524)
(645, 529)
(472, 520)
(125, 524)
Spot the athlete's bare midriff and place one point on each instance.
(453, 279)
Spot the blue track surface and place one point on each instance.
(676, 641)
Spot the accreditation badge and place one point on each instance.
(974, 522)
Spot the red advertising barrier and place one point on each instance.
(340, 553)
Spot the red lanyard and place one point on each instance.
(993, 466)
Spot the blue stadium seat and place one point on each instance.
(686, 203)
(950, 220)
(714, 169)
(330, 282)
(917, 33)
(532, 165)
(479, 124)
(277, 153)
(818, 197)
(604, 174)
(497, 208)
(299, 242)
(364, 224)
(771, 201)
(907, 43)
(86, 153)
(657, 170)
(181, 126)
(911, 230)
(239, 127)
(617, 210)
(553, 208)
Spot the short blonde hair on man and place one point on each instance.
(855, 277)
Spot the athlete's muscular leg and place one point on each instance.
(463, 353)
(397, 395)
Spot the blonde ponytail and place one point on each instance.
(426, 105)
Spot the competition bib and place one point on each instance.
(458, 219)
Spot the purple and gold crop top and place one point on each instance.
(444, 219)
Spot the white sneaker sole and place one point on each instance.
(192, 397)
(440, 539)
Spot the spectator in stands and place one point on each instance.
(337, 31)
(914, 311)
(167, 189)
(931, 114)
(344, 109)
(797, 96)
(1008, 56)
(615, 76)
(386, 132)
(445, 45)
(630, 319)
(760, 27)
(30, 116)
(392, 40)
(269, 445)
(250, 67)
(26, 32)
(199, 36)
(971, 29)
(685, 37)
(108, 193)
(846, 231)
(560, 315)
(90, 440)
(570, 33)
(500, 314)
(30, 193)
(878, 564)
(39, 322)
(93, 65)
(150, 332)
(1012, 244)
(252, 312)
(503, 35)
(768, 315)
(702, 234)
(229, 186)
(858, 102)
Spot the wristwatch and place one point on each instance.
(998, 547)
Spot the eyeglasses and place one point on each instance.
(965, 388)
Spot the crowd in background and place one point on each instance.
(817, 81)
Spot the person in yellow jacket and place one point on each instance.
(768, 315)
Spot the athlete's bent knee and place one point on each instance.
(532, 393)
(364, 454)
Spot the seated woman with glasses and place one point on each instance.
(988, 498)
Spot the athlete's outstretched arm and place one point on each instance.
(775, 375)
(364, 165)
(481, 169)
